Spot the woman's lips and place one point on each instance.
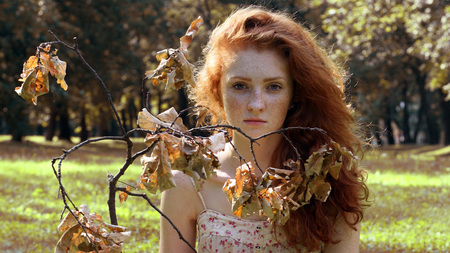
(254, 121)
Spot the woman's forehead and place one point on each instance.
(253, 60)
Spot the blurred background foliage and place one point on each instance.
(396, 52)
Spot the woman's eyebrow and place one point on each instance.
(241, 78)
(274, 79)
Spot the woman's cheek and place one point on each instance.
(233, 106)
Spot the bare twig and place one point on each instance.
(144, 196)
(75, 48)
(64, 195)
(299, 157)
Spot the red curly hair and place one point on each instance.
(318, 101)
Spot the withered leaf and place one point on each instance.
(60, 74)
(171, 79)
(241, 191)
(217, 142)
(123, 195)
(164, 54)
(187, 69)
(35, 75)
(314, 164)
(165, 119)
(186, 40)
(171, 116)
(35, 81)
(319, 188)
(104, 237)
(149, 122)
(157, 173)
(150, 138)
(48, 64)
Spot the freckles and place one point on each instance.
(232, 103)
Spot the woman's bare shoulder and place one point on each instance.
(183, 194)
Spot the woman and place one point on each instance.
(264, 72)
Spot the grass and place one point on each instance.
(409, 188)
(30, 208)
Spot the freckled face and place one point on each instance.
(256, 91)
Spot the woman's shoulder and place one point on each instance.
(184, 184)
(183, 194)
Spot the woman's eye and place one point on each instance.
(239, 86)
(274, 87)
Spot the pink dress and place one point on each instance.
(218, 232)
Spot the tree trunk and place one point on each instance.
(432, 133)
(50, 132)
(406, 129)
(445, 112)
(64, 128)
(84, 134)
(389, 130)
(124, 118)
(132, 113)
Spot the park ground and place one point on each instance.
(409, 212)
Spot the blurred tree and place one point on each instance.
(22, 27)
(392, 45)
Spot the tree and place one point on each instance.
(403, 42)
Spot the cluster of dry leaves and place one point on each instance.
(176, 151)
(280, 191)
(97, 236)
(174, 68)
(36, 71)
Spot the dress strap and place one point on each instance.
(198, 192)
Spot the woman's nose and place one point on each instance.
(256, 102)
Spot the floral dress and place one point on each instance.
(218, 232)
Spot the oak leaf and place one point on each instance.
(157, 173)
(174, 69)
(35, 81)
(35, 75)
(186, 40)
(241, 191)
(61, 71)
(166, 119)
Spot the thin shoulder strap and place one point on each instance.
(198, 192)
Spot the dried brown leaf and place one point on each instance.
(241, 191)
(186, 40)
(123, 195)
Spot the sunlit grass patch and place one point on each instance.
(409, 212)
(404, 179)
(31, 209)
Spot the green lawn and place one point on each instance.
(409, 188)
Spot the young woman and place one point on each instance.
(264, 72)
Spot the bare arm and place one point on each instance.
(349, 238)
(180, 204)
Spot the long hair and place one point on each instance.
(318, 101)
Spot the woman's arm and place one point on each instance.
(180, 204)
(349, 238)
